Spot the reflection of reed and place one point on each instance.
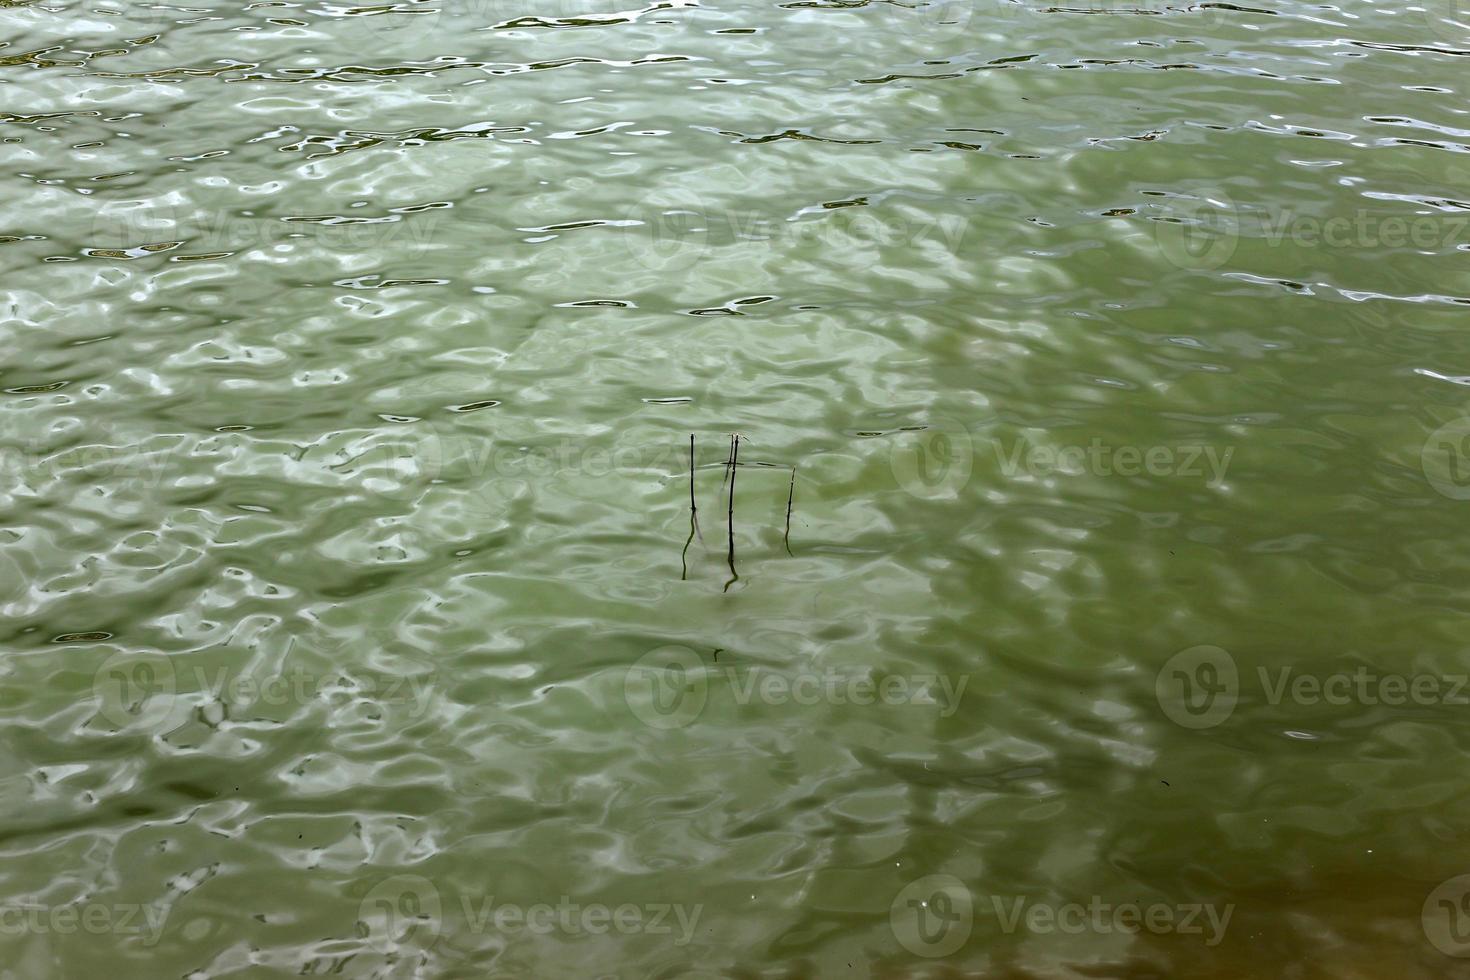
(790, 496)
(693, 507)
(731, 464)
(693, 514)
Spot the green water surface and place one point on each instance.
(350, 357)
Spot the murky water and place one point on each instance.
(1111, 362)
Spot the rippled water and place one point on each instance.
(352, 354)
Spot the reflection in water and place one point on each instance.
(693, 517)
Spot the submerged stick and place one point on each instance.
(693, 507)
(790, 496)
(684, 555)
(730, 512)
(693, 516)
(729, 465)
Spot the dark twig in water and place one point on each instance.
(730, 513)
(684, 555)
(693, 507)
(693, 515)
(729, 465)
(790, 496)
